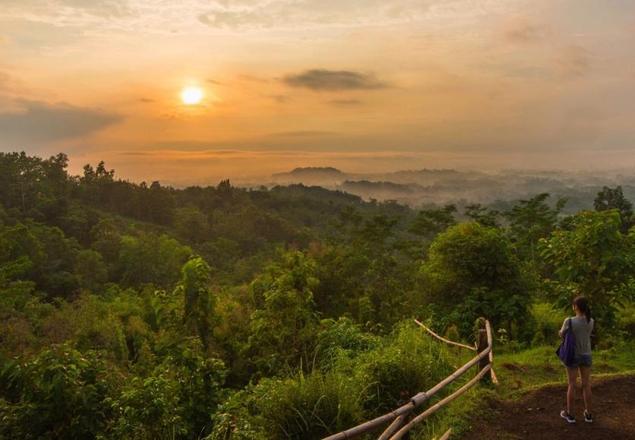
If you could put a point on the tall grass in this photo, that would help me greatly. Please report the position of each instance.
(358, 383)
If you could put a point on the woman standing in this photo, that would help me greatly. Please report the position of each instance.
(581, 325)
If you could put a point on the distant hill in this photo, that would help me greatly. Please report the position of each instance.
(440, 186)
(323, 176)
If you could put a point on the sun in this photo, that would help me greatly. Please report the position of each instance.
(192, 95)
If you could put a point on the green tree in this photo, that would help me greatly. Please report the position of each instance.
(470, 272)
(35, 187)
(61, 393)
(151, 258)
(482, 215)
(91, 270)
(592, 258)
(429, 222)
(175, 401)
(284, 324)
(530, 220)
(613, 198)
(191, 224)
(198, 300)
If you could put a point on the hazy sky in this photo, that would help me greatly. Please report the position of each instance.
(362, 85)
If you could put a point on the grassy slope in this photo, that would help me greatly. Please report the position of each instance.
(518, 373)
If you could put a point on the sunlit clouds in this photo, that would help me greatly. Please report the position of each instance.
(484, 83)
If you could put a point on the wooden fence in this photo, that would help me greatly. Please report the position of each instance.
(402, 419)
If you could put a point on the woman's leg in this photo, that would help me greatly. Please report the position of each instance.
(572, 375)
(585, 375)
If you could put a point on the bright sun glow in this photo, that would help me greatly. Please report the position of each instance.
(192, 95)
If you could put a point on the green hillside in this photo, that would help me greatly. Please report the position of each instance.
(140, 311)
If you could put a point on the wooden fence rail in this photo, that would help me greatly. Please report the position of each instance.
(401, 420)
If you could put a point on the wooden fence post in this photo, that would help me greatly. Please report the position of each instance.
(481, 345)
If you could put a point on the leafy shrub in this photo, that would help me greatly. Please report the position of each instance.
(407, 363)
(175, 401)
(149, 409)
(61, 393)
(472, 271)
(303, 407)
(626, 319)
(363, 376)
(548, 321)
(341, 339)
(592, 257)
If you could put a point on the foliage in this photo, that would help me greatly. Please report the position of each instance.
(356, 387)
(284, 323)
(429, 222)
(151, 258)
(592, 258)
(341, 339)
(405, 364)
(60, 393)
(302, 407)
(174, 402)
(143, 311)
(530, 220)
(483, 215)
(613, 198)
(470, 272)
(198, 300)
(548, 322)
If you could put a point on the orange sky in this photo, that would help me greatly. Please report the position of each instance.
(363, 85)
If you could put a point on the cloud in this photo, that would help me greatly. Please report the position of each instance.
(38, 122)
(185, 16)
(333, 80)
(97, 8)
(346, 102)
(4, 79)
(522, 31)
(280, 99)
(287, 14)
(303, 133)
(574, 62)
(198, 155)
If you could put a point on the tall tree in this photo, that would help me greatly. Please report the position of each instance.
(470, 272)
(592, 257)
(482, 214)
(429, 222)
(613, 198)
(198, 299)
(530, 220)
(284, 324)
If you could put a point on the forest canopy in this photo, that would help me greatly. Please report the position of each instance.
(142, 311)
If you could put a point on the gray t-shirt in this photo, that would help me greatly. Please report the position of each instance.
(582, 332)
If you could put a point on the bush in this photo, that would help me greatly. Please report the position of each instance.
(626, 319)
(407, 363)
(61, 393)
(472, 271)
(548, 322)
(174, 402)
(304, 407)
(341, 339)
(364, 378)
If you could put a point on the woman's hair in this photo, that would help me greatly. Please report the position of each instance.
(583, 305)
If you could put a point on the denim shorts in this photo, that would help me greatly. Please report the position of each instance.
(583, 360)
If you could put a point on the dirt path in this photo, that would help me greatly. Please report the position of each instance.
(536, 415)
